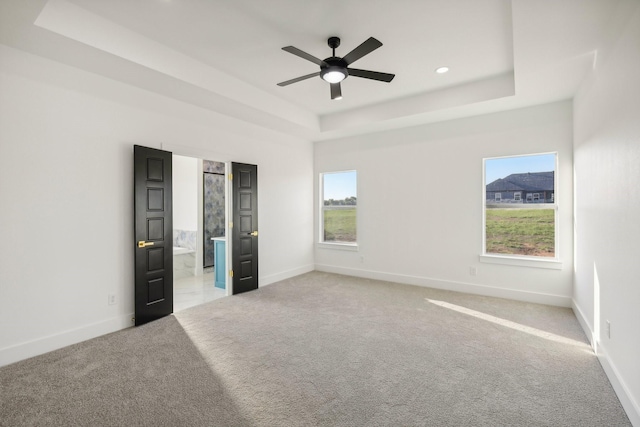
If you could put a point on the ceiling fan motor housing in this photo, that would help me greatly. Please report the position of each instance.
(334, 65)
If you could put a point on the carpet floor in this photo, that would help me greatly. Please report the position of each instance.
(325, 350)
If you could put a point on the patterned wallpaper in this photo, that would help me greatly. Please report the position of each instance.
(209, 166)
(213, 206)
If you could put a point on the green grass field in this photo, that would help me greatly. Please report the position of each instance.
(509, 231)
(340, 225)
(521, 232)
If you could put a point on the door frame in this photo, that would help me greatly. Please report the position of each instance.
(198, 153)
(228, 209)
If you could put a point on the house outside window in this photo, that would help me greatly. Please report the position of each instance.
(339, 203)
(522, 221)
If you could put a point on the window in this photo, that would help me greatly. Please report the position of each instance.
(339, 206)
(521, 227)
(498, 197)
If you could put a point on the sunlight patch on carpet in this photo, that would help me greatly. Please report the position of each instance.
(509, 324)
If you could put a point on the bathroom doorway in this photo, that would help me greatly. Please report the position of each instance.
(199, 241)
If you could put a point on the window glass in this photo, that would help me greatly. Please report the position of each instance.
(339, 207)
(520, 210)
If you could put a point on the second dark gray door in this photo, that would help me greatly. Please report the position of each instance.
(245, 227)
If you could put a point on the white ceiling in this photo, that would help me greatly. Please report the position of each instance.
(226, 55)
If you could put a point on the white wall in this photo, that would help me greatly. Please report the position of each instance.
(185, 193)
(66, 212)
(607, 170)
(420, 195)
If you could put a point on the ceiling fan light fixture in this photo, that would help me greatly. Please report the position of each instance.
(333, 74)
(335, 69)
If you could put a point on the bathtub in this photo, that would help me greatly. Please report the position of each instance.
(179, 251)
(184, 262)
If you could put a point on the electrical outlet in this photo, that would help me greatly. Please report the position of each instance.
(112, 299)
(608, 329)
(361, 258)
(473, 271)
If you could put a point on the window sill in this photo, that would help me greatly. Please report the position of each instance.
(353, 247)
(552, 264)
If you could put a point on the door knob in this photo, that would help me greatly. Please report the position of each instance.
(143, 244)
(254, 234)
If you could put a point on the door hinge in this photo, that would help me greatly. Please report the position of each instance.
(230, 224)
(230, 177)
(230, 273)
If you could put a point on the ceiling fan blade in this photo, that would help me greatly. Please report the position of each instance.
(365, 48)
(299, 79)
(373, 75)
(305, 55)
(336, 91)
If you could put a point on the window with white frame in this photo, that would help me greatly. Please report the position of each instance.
(524, 226)
(339, 203)
(498, 197)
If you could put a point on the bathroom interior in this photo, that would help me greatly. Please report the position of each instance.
(199, 241)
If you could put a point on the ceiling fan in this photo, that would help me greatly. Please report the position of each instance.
(335, 69)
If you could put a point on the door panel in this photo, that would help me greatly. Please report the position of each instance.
(153, 234)
(245, 229)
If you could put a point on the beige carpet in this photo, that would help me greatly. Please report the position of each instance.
(329, 350)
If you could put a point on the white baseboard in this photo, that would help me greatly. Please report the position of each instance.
(28, 349)
(630, 405)
(584, 323)
(471, 288)
(273, 278)
(627, 401)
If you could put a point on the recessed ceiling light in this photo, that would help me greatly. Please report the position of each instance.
(442, 70)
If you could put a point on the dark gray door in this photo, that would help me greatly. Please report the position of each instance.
(153, 234)
(245, 227)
